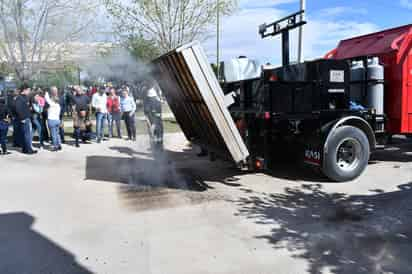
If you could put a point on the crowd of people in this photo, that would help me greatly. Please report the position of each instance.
(31, 112)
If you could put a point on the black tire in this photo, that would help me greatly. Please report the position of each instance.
(347, 156)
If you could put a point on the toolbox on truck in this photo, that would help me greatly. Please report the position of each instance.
(310, 86)
(198, 102)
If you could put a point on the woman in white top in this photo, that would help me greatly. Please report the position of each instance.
(53, 118)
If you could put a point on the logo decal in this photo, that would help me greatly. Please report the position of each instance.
(312, 157)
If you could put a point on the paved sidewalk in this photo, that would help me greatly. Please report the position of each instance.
(112, 208)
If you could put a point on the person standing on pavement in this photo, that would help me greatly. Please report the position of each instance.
(37, 110)
(23, 115)
(53, 117)
(99, 103)
(80, 102)
(4, 126)
(68, 102)
(113, 113)
(152, 104)
(17, 134)
(42, 103)
(128, 107)
(62, 103)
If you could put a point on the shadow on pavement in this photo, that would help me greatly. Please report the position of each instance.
(167, 180)
(173, 170)
(338, 233)
(200, 167)
(399, 151)
(24, 250)
(295, 171)
(140, 174)
(128, 151)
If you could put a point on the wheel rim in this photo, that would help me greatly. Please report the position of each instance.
(348, 154)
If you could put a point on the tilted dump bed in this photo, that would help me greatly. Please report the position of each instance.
(198, 102)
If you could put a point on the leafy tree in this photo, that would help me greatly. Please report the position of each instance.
(59, 78)
(142, 49)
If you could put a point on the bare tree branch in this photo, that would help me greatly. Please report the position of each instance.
(34, 31)
(169, 23)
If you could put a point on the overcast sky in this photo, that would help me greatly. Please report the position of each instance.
(328, 22)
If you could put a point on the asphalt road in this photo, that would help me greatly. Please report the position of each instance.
(112, 208)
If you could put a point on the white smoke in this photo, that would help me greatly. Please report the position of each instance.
(117, 64)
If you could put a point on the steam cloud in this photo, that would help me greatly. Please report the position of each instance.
(158, 170)
(117, 65)
(147, 170)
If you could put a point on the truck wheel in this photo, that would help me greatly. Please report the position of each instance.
(347, 154)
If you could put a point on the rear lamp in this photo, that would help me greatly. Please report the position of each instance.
(273, 78)
(259, 164)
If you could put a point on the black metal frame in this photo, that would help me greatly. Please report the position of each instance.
(265, 126)
(293, 21)
(310, 131)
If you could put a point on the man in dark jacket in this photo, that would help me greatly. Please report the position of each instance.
(23, 115)
(17, 135)
(79, 99)
(62, 103)
(81, 103)
(4, 126)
